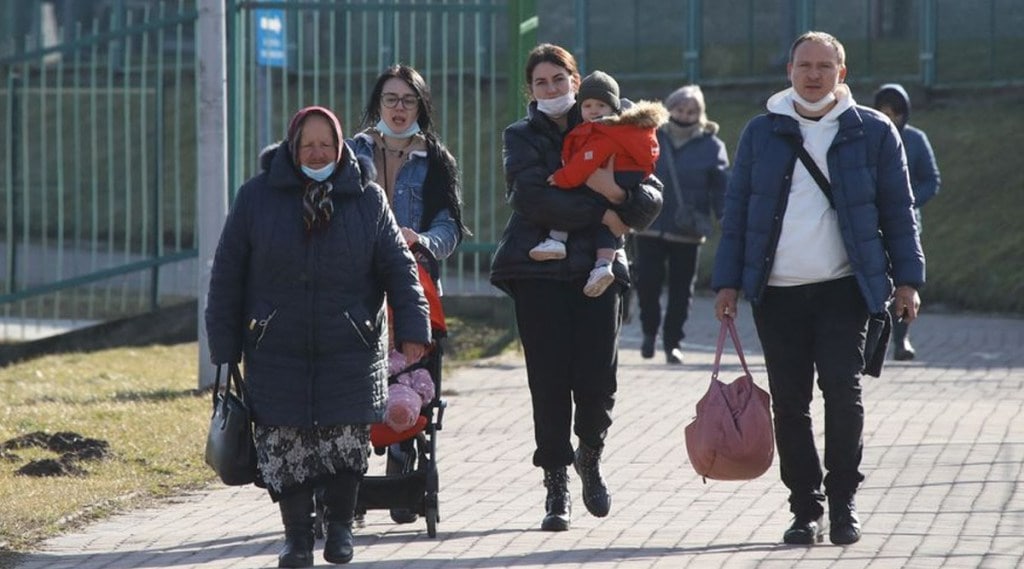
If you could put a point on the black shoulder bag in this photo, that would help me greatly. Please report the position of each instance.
(879, 325)
(230, 449)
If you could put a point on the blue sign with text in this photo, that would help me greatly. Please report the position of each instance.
(271, 50)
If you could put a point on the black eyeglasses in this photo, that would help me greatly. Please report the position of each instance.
(391, 100)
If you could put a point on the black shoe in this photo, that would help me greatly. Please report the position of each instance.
(557, 505)
(297, 517)
(647, 348)
(403, 516)
(587, 462)
(804, 531)
(673, 356)
(844, 525)
(338, 546)
(904, 352)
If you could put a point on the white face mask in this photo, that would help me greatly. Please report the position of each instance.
(558, 106)
(814, 107)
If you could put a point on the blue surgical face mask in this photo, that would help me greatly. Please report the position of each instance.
(386, 130)
(319, 174)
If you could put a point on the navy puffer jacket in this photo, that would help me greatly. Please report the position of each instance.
(532, 152)
(868, 172)
(306, 310)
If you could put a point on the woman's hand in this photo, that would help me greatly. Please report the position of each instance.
(413, 352)
(614, 223)
(410, 236)
(602, 181)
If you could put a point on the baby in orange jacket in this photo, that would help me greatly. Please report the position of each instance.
(610, 127)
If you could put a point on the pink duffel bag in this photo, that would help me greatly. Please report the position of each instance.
(732, 437)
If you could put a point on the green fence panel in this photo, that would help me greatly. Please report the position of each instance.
(97, 162)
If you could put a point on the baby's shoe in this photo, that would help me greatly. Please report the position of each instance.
(548, 250)
(601, 277)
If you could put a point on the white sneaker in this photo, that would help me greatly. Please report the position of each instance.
(601, 277)
(548, 250)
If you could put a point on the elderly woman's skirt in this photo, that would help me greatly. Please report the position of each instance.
(289, 457)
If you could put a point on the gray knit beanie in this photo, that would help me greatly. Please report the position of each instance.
(684, 93)
(601, 86)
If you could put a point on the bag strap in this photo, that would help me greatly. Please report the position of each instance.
(672, 171)
(234, 376)
(728, 324)
(813, 169)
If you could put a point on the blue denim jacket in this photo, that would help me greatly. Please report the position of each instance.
(442, 235)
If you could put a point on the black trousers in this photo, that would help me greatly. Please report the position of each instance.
(655, 257)
(571, 347)
(820, 327)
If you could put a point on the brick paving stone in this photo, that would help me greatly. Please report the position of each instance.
(943, 455)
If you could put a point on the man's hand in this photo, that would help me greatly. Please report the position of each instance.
(602, 181)
(725, 303)
(906, 303)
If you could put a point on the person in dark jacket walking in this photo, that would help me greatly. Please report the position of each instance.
(815, 264)
(307, 253)
(570, 340)
(692, 165)
(421, 180)
(892, 99)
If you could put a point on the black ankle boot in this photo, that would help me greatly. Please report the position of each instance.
(595, 493)
(647, 347)
(297, 515)
(557, 505)
(340, 496)
(338, 547)
(805, 530)
(844, 525)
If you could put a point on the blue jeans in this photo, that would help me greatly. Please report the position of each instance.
(821, 327)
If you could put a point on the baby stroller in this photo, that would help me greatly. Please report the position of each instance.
(410, 484)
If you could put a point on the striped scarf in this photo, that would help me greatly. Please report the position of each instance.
(317, 206)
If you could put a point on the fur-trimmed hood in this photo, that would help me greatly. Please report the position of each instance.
(641, 114)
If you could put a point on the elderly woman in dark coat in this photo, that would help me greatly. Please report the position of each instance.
(306, 256)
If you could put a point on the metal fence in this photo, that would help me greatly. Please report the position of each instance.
(99, 100)
(97, 167)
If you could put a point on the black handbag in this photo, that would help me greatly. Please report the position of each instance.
(230, 449)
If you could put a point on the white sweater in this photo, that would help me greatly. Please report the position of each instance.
(810, 248)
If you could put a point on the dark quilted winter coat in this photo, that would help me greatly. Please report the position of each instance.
(306, 310)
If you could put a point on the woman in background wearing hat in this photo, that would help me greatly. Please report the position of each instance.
(570, 340)
(692, 165)
(307, 253)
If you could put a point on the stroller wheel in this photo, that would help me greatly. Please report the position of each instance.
(402, 460)
(431, 515)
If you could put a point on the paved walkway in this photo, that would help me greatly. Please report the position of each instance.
(944, 454)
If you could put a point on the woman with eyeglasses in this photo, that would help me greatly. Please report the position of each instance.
(418, 174)
(421, 181)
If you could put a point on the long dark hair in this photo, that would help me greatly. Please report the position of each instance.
(443, 172)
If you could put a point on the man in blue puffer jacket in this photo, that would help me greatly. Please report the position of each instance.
(815, 268)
